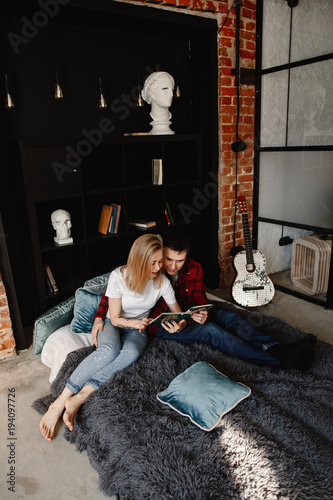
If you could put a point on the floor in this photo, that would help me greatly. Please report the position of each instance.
(39, 470)
(306, 316)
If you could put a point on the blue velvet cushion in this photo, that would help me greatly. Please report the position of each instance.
(203, 394)
(87, 300)
(86, 305)
(49, 322)
(98, 284)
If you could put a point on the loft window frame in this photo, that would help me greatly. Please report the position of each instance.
(258, 149)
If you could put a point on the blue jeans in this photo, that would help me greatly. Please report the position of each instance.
(117, 349)
(230, 333)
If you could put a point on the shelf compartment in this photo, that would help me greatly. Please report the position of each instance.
(69, 271)
(180, 161)
(103, 168)
(105, 254)
(53, 247)
(138, 160)
(54, 173)
(148, 206)
(183, 202)
(93, 208)
(44, 209)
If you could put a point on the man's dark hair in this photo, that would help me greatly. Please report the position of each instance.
(177, 240)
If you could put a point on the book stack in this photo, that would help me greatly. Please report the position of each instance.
(109, 219)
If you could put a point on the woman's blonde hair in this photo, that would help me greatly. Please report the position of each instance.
(139, 262)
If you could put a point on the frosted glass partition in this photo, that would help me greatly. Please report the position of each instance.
(312, 33)
(278, 258)
(297, 187)
(310, 120)
(274, 100)
(275, 35)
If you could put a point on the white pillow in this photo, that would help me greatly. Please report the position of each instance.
(59, 344)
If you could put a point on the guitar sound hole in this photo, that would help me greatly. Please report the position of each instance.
(250, 268)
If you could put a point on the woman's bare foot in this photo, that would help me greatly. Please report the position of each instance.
(49, 421)
(73, 404)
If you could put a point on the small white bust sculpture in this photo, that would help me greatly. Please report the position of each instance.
(61, 222)
(158, 91)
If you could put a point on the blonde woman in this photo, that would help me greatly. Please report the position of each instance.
(120, 339)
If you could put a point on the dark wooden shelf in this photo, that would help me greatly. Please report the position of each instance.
(53, 247)
(84, 194)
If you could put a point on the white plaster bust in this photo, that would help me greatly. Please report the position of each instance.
(158, 91)
(61, 222)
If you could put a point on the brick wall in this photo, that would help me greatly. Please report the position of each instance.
(227, 125)
(7, 342)
(228, 113)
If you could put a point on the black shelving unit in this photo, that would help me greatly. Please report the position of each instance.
(118, 171)
(121, 43)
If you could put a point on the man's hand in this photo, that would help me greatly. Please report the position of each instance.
(200, 316)
(97, 327)
(173, 327)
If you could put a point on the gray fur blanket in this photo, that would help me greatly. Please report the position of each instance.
(275, 445)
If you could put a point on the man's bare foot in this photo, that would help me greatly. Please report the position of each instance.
(71, 408)
(49, 421)
(73, 404)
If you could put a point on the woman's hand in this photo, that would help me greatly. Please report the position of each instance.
(97, 327)
(173, 327)
(143, 324)
(200, 316)
(135, 324)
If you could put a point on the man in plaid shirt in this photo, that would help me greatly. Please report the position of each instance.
(222, 329)
(189, 288)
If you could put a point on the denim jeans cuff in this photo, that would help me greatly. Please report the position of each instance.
(94, 384)
(72, 387)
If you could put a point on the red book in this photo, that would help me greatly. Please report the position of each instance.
(167, 216)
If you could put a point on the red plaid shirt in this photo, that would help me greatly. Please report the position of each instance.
(102, 308)
(189, 289)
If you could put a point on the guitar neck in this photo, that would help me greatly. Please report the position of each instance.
(247, 240)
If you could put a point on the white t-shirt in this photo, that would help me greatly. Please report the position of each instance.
(135, 305)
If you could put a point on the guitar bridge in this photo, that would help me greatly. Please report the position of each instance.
(252, 288)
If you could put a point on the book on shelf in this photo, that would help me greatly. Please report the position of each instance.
(53, 287)
(114, 222)
(168, 213)
(111, 223)
(157, 171)
(48, 282)
(167, 216)
(104, 220)
(142, 223)
(170, 316)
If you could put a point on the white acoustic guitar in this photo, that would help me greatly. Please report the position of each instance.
(252, 287)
